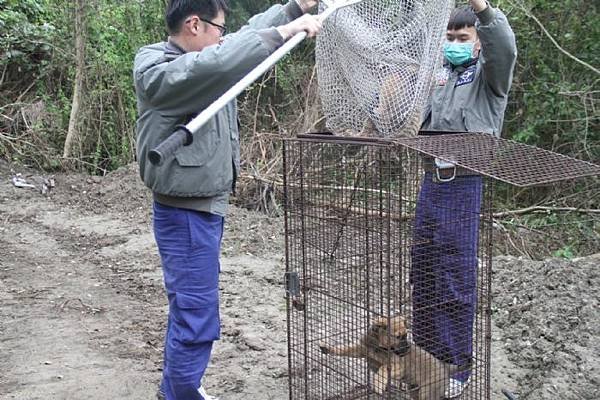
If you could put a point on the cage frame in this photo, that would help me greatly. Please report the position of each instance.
(431, 144)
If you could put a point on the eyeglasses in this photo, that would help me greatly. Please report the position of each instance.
(222, 28)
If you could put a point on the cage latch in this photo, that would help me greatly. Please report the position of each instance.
(292, 288)
(445, 171)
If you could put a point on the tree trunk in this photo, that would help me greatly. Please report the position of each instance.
(80, 36)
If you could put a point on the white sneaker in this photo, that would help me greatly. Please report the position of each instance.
(455, 388)
(204, 395)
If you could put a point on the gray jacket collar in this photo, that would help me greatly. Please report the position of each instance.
(173, 50)
(462, 68)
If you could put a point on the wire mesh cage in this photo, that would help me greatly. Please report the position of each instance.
(388, 273)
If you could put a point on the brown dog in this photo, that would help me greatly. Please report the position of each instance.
(391, 356)
(384, 346)
(426, 374)
(396, 111)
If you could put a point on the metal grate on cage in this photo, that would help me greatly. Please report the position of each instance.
(387, 274)
(515, 163)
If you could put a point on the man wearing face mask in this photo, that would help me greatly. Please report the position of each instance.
(470, 95)
(174, 80)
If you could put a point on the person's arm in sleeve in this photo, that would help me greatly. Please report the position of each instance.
(280, 14)
(194, 80)
(498, 49)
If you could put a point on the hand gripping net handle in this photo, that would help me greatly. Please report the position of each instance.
(183, 135)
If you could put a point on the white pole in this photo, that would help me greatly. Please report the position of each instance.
(210, 111)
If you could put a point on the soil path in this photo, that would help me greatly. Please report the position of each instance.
(83, 311)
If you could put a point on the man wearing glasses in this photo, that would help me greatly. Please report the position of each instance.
(175, 80)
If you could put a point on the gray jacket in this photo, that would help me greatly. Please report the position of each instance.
(173, 86)
(473, 98)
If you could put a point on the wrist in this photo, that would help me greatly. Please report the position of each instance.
(302, 4)
(284, 32)
(479, 5)
(486, 16)
(293, 10)
(305, 5)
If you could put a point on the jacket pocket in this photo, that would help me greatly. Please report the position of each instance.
(202, 149)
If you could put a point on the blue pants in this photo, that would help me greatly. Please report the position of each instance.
(189, 243)
(444, 267)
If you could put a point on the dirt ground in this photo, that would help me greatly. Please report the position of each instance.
(82, 309)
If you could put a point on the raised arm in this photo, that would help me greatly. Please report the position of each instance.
(498, 47)
(188, 83)
(193, 80)
(280, 14)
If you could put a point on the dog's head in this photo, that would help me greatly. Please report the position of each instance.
(389, 333)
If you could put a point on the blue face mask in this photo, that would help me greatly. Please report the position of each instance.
(458, 53)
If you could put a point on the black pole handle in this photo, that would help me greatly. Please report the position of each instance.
(164, 151)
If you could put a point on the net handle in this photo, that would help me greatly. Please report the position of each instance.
(169, 146)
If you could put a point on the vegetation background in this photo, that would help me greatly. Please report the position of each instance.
(65, 71)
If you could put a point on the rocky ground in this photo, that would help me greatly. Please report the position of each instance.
(82, 310)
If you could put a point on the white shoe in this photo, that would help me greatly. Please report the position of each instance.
(455, 388)
(204, 395)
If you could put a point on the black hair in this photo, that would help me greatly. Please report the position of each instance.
(178, 10)
(462, 17)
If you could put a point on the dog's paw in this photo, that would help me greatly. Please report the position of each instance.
(325, 349)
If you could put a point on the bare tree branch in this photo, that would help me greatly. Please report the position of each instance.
(534, 209)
